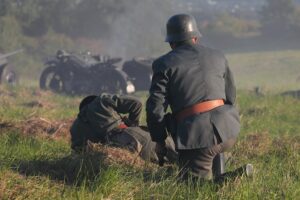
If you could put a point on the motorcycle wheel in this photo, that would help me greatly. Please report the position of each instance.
(113, 83)
(51, 80)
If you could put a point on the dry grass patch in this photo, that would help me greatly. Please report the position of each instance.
(45, 128)
(254, 145)
(16, 186)
(75, 168)
(119, 156)
(5, 125)
(38, 104)
(260, 145)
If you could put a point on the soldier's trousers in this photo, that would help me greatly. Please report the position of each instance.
(139, 140)
(198, 162)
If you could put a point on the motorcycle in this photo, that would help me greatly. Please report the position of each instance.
(8, 75)
(79, 74)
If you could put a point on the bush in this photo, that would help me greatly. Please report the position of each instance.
(10, 34)
(29, 63)
(277, 17)
(226, 24)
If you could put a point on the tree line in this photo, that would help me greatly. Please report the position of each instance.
(92, 18)
(275, 18)
(73, 18)
(43, 26)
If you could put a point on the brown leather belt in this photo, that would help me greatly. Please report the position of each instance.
(199, 108)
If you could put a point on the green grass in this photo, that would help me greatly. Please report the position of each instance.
(17, 103)
(273, 70)
(35, 169)
(272, 113)
(39, 168)
(42, 167)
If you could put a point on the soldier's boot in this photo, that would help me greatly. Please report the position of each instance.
(246, 170)
(218, 167)
(249, 170)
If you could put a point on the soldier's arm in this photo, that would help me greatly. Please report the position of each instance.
(230, 89)
(157, 104)
(78, 138)
(129, 105)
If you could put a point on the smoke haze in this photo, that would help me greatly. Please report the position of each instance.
(141, 30)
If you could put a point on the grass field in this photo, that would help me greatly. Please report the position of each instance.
(272, 70)
(36, 161)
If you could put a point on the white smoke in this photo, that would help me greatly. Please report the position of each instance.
(141, 30)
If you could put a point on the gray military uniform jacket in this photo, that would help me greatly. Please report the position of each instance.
(188, 75)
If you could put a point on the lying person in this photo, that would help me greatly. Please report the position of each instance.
(100, 120)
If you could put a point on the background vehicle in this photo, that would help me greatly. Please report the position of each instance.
(8, 76)
(84, 74)
(140, 72)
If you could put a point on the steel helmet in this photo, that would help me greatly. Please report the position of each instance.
(87, 100)
(182, 27)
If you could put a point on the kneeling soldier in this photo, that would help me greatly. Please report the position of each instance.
(197, 84)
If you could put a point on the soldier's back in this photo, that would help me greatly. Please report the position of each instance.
(195, 73)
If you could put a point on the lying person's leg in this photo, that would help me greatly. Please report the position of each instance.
(139, 140)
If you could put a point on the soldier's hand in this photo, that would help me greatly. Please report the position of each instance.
(129, 122)
(161, 152)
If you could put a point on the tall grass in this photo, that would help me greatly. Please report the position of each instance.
(30, 170)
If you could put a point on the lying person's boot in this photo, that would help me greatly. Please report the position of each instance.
(127, 141)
